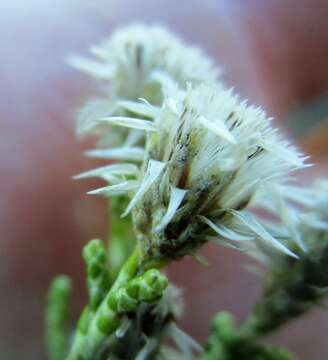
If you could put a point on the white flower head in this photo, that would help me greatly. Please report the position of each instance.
(135, 62)
(205, 159)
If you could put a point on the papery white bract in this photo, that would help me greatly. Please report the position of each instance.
(304, 212)
(208, 156)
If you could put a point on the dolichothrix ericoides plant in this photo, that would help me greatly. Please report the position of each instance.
(188, 161)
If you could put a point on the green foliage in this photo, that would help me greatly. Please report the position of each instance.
(57, 317)
(293, 288)
(228, 343)
(108, 303)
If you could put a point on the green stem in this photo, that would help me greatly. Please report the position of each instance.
(120, 244)
(128, 270)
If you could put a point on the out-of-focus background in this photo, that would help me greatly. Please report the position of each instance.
(274, 52)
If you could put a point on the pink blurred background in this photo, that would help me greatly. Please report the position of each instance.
(274, 53)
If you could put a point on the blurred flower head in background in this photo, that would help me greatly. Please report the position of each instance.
(134, 63)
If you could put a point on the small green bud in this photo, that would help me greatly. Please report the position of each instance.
(94, 269)
(151, 276)
(112, 301)
(91, 249)
(107, 325)
(125, 302)
(132, 288)
(224, 326)
(152, 284)
(101, 256)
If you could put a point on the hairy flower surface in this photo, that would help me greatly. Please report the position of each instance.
(206, 156)
(134, 63)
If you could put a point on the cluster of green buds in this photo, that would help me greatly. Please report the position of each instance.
(110, 303)
(98, 280)
(189, 161)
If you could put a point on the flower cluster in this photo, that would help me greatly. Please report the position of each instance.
(207, 154)
(190, 161)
